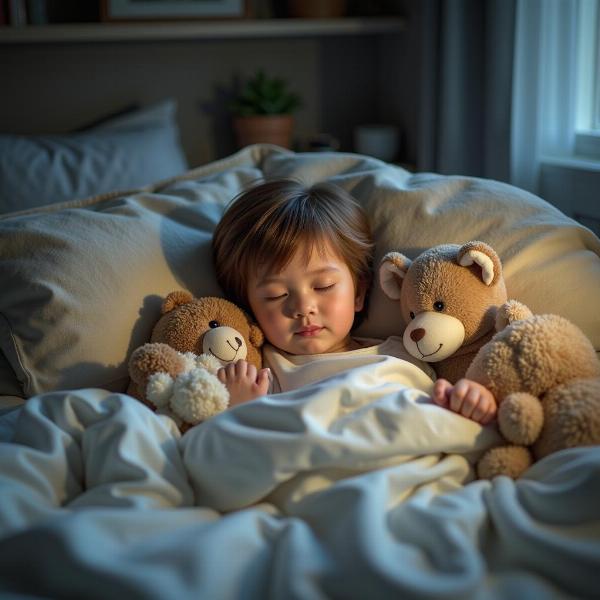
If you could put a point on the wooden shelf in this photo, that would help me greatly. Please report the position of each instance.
(199, 30)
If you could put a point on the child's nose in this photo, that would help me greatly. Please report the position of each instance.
(303, 306)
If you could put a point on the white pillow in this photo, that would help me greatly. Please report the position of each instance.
(122, 153)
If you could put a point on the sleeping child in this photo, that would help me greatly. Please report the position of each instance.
(300, 260)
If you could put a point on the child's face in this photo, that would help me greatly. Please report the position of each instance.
(307, 308)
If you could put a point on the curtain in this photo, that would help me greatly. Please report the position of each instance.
(498, 87)
(544, 87)
(467, 49)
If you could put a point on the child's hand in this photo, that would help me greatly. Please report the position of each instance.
(467, 398)
(244, 381)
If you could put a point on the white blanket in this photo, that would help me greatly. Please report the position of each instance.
(353, 487)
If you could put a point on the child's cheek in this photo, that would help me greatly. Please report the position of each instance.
(343, 301)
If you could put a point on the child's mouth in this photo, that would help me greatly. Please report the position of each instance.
(309, 331)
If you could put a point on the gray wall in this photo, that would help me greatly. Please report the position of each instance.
(344, 81)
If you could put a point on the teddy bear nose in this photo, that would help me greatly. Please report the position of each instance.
(239, 342)
(417, 334)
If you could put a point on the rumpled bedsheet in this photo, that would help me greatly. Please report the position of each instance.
(352, 487)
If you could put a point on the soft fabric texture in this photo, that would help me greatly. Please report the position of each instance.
(194, 337)
(355, 486)
(291, 372)
(545, 376)
(327, 493)
(465, 283)
(83, 281)
(121, 153)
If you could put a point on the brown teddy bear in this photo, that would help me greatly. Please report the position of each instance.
(176, 372)
(545, 375)
(542, 369)
(449, 296)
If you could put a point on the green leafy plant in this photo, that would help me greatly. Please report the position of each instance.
(263, 95)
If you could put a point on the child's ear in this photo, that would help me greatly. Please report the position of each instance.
(361, 292)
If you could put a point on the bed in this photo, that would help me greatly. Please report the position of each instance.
(353, 487)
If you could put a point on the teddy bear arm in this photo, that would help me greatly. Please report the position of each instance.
(152, 358)
(572, 417)
(511, 311)
(521, 418)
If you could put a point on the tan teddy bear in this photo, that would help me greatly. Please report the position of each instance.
(176, 372)
(449, 296)
(545, 375)
(542, 370)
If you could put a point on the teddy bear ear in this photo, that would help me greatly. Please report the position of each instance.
(479, 253)
(175, 299)
(392, 270)
(257, 339)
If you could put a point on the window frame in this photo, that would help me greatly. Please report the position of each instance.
(587, 126)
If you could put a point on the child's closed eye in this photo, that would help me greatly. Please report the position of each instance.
(324, 288)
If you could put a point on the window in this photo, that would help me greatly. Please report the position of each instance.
(555, 129)
(587, 125)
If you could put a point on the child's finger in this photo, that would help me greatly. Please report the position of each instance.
(486, 419)
(480, 412)
(229, 371)
(263, 380)
(264, 373)
(441, 389)
(222, 375)
(470, 403)
(490, 414)
(459, 391)
(251, 372)
(240, 367)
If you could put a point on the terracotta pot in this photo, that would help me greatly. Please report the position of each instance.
(316, 9)
(270, 129)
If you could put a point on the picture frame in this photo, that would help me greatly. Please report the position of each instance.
(142, 10)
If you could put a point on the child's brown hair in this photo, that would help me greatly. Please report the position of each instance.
(264, 226)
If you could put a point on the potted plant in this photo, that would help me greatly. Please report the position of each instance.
(263, 111)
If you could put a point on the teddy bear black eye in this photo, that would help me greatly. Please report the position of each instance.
(412, 314)
(439, 306)
(213, 324)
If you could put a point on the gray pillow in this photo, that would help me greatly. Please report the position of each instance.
(125, 152)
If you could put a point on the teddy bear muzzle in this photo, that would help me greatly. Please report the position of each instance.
(225, 343)
(433, 336)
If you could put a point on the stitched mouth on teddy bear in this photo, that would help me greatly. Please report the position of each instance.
(431, 353)
(221, 358)
(235, 351)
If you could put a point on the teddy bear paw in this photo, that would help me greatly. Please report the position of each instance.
(209, 362)
(520, 418)
(159, 389)
(511, 461)
(189, 359)
(572, 417)
(198, 395)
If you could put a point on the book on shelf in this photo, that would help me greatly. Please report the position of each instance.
(17, 13)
